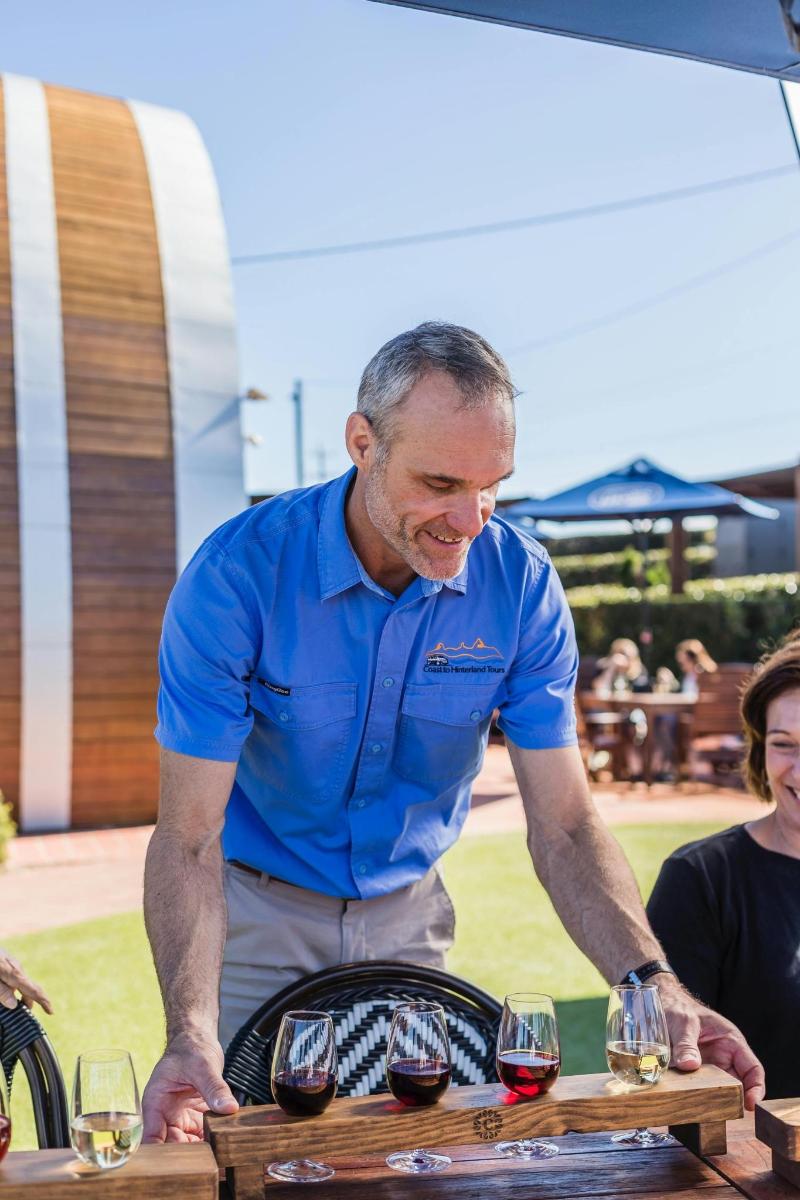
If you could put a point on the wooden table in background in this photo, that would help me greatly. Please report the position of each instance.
(651, 704)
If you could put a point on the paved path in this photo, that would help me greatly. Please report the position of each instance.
(61, 878)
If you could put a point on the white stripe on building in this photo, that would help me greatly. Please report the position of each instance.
(200, 325)
(42, 461)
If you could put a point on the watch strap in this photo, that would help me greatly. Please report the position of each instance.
(640, 975)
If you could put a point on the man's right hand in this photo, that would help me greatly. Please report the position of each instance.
(186, 1083)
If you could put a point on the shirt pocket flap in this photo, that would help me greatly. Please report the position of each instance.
(449, 705)
(305, 707)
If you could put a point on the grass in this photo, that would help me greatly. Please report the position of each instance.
(100, 976)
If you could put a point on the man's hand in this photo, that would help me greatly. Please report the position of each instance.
(13, 979)
(698, 1034)
(186, 1082)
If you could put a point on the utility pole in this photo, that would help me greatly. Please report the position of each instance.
(297, 401)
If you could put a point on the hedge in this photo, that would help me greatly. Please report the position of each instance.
(624, 566)
(736, 619)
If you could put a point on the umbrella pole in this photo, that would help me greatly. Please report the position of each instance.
(641, 530)
(677, 565)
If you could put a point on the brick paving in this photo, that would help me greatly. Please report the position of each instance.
(60, 878)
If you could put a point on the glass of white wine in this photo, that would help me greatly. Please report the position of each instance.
(106, 1117)
(637, 1047)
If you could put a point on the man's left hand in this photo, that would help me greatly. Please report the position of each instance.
(698, 1034)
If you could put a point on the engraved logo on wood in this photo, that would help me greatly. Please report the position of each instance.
(487, 1124)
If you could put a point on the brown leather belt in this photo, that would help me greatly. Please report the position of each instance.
(235, 862)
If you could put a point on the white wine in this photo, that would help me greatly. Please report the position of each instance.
(106, 1139)
(637, 1063)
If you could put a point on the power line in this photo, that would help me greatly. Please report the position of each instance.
(550, 218)
(670, 293)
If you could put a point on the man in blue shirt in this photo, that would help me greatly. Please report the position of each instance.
(330, 663)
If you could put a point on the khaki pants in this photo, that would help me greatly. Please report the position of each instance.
(278, 933)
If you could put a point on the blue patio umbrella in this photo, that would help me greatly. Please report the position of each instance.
(639, 493)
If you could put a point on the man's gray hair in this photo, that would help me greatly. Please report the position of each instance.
(477, 370)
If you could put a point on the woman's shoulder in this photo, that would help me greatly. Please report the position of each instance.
(716, 851)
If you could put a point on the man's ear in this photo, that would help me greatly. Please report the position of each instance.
(359, 438)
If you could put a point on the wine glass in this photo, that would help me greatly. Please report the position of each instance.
(528, 1060)
(304, 1070)
(5, 1117)
(106, 1124)
(418, 1073)
(637, 1048)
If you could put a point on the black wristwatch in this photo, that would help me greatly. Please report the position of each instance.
(646, 971)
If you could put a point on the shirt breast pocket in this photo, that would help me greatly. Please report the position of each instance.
(443, 731)
(301, 738)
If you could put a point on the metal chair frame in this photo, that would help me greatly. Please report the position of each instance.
(359, 997)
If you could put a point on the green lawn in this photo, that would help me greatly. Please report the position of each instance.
(100, 977)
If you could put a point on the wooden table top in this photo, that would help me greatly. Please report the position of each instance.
(617, 700)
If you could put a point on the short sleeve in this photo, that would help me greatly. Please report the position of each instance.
(208, 647)
(538, 712)
(683, 915)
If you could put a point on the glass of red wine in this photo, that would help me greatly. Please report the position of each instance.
(304, 1076)
(418, 1073)
(5, 1118)
(528, 1060)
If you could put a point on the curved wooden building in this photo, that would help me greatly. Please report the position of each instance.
(119, 434)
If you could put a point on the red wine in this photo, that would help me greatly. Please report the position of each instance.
(5, 1135)
(416, 1084)
(528, 1072)
(303, 1093)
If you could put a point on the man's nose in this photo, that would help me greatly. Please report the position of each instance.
(470, 515)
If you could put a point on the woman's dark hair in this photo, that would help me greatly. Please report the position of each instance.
(774, 674)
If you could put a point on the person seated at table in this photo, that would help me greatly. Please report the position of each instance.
(621, 670)
(726, 908)
(14, 982)
(694, 661)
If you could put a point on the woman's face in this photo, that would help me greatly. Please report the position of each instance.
(783, 754)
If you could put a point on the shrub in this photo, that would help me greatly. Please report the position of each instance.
(8, 828)
(737, 619)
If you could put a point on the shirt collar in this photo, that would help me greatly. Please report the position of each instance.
(339, 567)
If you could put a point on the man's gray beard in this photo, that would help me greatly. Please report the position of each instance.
(394, 533)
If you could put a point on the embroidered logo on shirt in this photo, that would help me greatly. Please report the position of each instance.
(276, 688)
(441, 657)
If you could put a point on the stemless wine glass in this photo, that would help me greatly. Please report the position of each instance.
(637, 1047)
(418, 1072)
(5, 1117)
(106, 1124)
(528, 1060)
(304, 1070)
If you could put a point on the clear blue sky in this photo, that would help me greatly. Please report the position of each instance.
(332, 121)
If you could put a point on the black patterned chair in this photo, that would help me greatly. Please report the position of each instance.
(361, 998)
(23, 1040)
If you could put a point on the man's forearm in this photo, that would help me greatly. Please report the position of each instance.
(595, 894)
(184, 910)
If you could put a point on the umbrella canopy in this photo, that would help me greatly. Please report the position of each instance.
(753, 35)
(640, 490)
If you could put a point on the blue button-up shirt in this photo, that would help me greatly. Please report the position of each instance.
(358, 718)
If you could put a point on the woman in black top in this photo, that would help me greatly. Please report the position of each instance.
(727, 908)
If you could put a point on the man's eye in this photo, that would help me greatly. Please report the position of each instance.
(439, 487)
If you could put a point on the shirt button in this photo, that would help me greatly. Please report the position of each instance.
(388, 681)
(361, 803)
(475, 715)
(284, 716)
(376, 747)
(362, 870)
